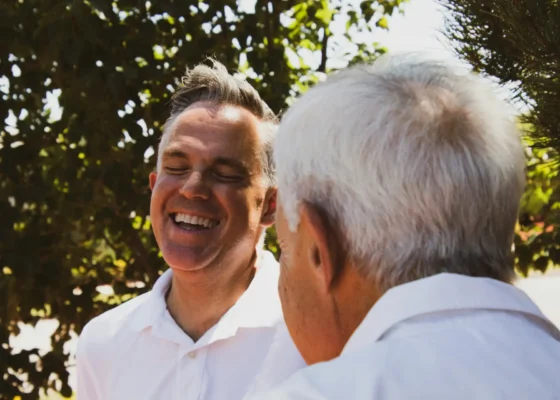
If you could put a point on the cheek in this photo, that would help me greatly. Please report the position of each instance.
(289, 307)
(230, 196)
(285, 289)
(164, 185)
(303, 309)
(160, 192)
(155, 202)
(283, 283)
(292, 296)
(243, 205)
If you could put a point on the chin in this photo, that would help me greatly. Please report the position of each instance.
(187, 259)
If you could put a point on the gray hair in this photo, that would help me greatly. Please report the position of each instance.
(215, 84)
(422, 169)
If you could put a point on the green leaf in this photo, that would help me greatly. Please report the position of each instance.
(325, 15)
(382, 23)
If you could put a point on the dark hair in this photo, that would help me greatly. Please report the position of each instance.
(214, 83)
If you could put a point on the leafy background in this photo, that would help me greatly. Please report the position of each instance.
(517, 42)
(75, 236)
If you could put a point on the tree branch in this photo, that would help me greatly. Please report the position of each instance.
(324, 46)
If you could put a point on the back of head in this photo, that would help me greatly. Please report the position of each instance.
(421, 167)
(213, 83)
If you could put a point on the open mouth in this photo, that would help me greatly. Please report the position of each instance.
(192, 223)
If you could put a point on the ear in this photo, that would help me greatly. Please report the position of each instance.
(269, 208)
(153, 179)
(323, 252)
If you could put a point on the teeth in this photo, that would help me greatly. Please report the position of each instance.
(193, 220)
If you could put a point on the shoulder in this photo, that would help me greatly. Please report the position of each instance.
(99, 346)
(282, 361)
(434, 366)
(336, 379)
(102, 330)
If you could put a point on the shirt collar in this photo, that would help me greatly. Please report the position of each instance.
(442, 292)
(149, 312)
(258, 307)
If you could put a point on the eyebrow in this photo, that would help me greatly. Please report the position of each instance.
(174, 154)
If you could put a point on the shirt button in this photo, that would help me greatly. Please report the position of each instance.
(192, 355)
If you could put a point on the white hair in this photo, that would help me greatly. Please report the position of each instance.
(421, 167)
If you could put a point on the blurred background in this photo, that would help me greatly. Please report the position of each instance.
(85, 87)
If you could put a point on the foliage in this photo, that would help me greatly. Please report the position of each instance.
(518, 42)
(75, 235)
(537, 243)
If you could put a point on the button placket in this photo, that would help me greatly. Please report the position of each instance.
(191, 373)
(201, 356)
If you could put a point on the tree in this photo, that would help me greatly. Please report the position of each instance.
(518, 42)
(537, 243)
(73, 180)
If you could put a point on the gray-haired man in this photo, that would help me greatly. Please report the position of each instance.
(212, 326)
(399, 185)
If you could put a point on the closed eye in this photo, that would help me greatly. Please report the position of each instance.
(227, 177)
(175, 170)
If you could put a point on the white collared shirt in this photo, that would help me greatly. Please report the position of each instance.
(137, 351)
(444, 337)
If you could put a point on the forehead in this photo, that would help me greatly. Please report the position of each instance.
(207, 129)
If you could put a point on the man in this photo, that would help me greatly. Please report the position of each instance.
(212, 326)
(399, 186)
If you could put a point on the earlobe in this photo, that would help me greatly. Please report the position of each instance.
(153, 179)
(269, 209)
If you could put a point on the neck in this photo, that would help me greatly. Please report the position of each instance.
(198, 299)
(354, 297)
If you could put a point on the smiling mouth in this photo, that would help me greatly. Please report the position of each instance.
(193, 223)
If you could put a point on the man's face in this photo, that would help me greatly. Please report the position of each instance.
(307, 304)
(209, 199)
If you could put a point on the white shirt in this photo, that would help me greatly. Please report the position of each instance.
(444, 337)
(137, 351)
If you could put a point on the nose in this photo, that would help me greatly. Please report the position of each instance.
(195, 187)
